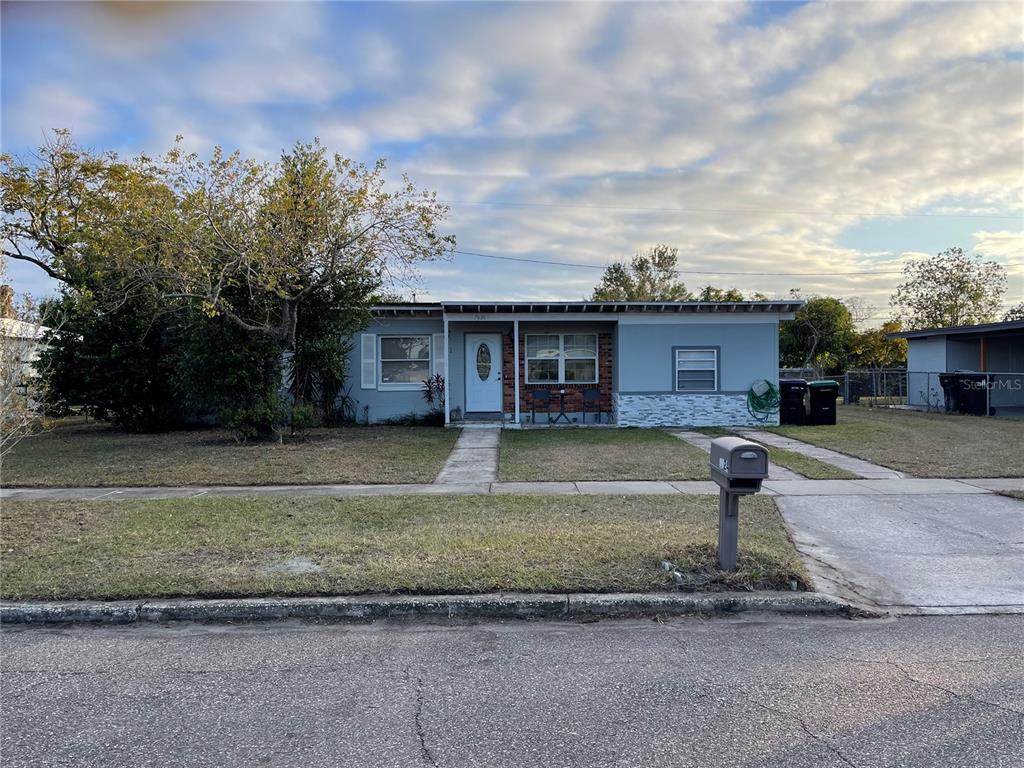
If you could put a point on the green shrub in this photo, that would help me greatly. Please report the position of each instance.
(257, 420)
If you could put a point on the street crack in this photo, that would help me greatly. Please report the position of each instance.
(421, 734)
(817, 738)
(958, 695)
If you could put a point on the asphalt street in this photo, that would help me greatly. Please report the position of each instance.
(761, 691)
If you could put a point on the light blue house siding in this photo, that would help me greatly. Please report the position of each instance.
(657, 363)
(924, 358)
(374, 401)
(747, 350)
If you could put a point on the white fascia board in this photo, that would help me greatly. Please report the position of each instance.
(540, 317)
(623, 318)
(711, 318)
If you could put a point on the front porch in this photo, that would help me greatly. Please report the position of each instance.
(529, 373)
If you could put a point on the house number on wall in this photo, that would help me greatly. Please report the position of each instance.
(479, 317)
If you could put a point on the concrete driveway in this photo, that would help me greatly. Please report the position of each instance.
(922, 553)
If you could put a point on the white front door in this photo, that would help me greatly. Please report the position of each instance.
(483, 372)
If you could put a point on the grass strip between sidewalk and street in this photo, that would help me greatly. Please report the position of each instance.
(100, 455)
(232, 547)
(598, 454)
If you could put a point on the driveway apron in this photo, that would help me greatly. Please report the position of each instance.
(913, 552)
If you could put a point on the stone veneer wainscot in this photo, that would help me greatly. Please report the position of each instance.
(692, 410)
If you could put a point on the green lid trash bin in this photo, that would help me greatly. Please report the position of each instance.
(822, 396)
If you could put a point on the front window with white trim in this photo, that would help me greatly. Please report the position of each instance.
(696, 370)
(404, 361)
(566, 358)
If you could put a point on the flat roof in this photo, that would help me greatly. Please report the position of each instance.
(961, 330)
(433, 309)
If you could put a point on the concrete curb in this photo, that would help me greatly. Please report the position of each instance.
(370, 608)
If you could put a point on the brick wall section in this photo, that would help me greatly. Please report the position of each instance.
(573, 392)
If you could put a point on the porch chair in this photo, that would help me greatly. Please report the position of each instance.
(592, 397)
(540, 398)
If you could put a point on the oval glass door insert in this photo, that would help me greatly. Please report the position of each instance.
(483, 362)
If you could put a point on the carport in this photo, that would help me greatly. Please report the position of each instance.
(993, 350)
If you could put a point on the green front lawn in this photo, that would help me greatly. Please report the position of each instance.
(99, 455)
(598, 454)
(923, 444)
(398, 544)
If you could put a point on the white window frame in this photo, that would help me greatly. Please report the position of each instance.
(714, 368)
(403, 386)
(561, 358)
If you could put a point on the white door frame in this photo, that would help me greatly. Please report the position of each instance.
(489, 401)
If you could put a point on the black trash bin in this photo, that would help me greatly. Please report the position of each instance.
(972, 393)
(792, 409)
(822, 396)
(950, 391)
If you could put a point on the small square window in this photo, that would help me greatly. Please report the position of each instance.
(696, 370)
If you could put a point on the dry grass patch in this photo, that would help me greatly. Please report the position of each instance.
(598, 454)
(923, 444)
(405, 544)
(99, 455)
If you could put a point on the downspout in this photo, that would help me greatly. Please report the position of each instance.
(984, 356)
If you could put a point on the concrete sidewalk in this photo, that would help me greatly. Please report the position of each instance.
(902, 487)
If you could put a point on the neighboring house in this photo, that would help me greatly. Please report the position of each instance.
(639, 364)
(19, 349)
(21, 340)
(996, 349)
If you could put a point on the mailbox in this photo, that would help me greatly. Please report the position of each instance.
(737, 465)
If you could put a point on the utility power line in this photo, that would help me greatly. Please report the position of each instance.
(695, 271)
(732, 211)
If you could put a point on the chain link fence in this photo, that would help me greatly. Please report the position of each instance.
(882, 386)
(996, 393)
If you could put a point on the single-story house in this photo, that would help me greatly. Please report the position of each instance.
(993, 349)
(21, 341)
(633, 364)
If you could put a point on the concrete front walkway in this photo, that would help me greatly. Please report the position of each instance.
(698, 440)
(474, 459)
(836, 459)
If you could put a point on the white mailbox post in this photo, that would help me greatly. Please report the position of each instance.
(739, 467)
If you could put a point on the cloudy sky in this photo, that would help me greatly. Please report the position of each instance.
(829, 142)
